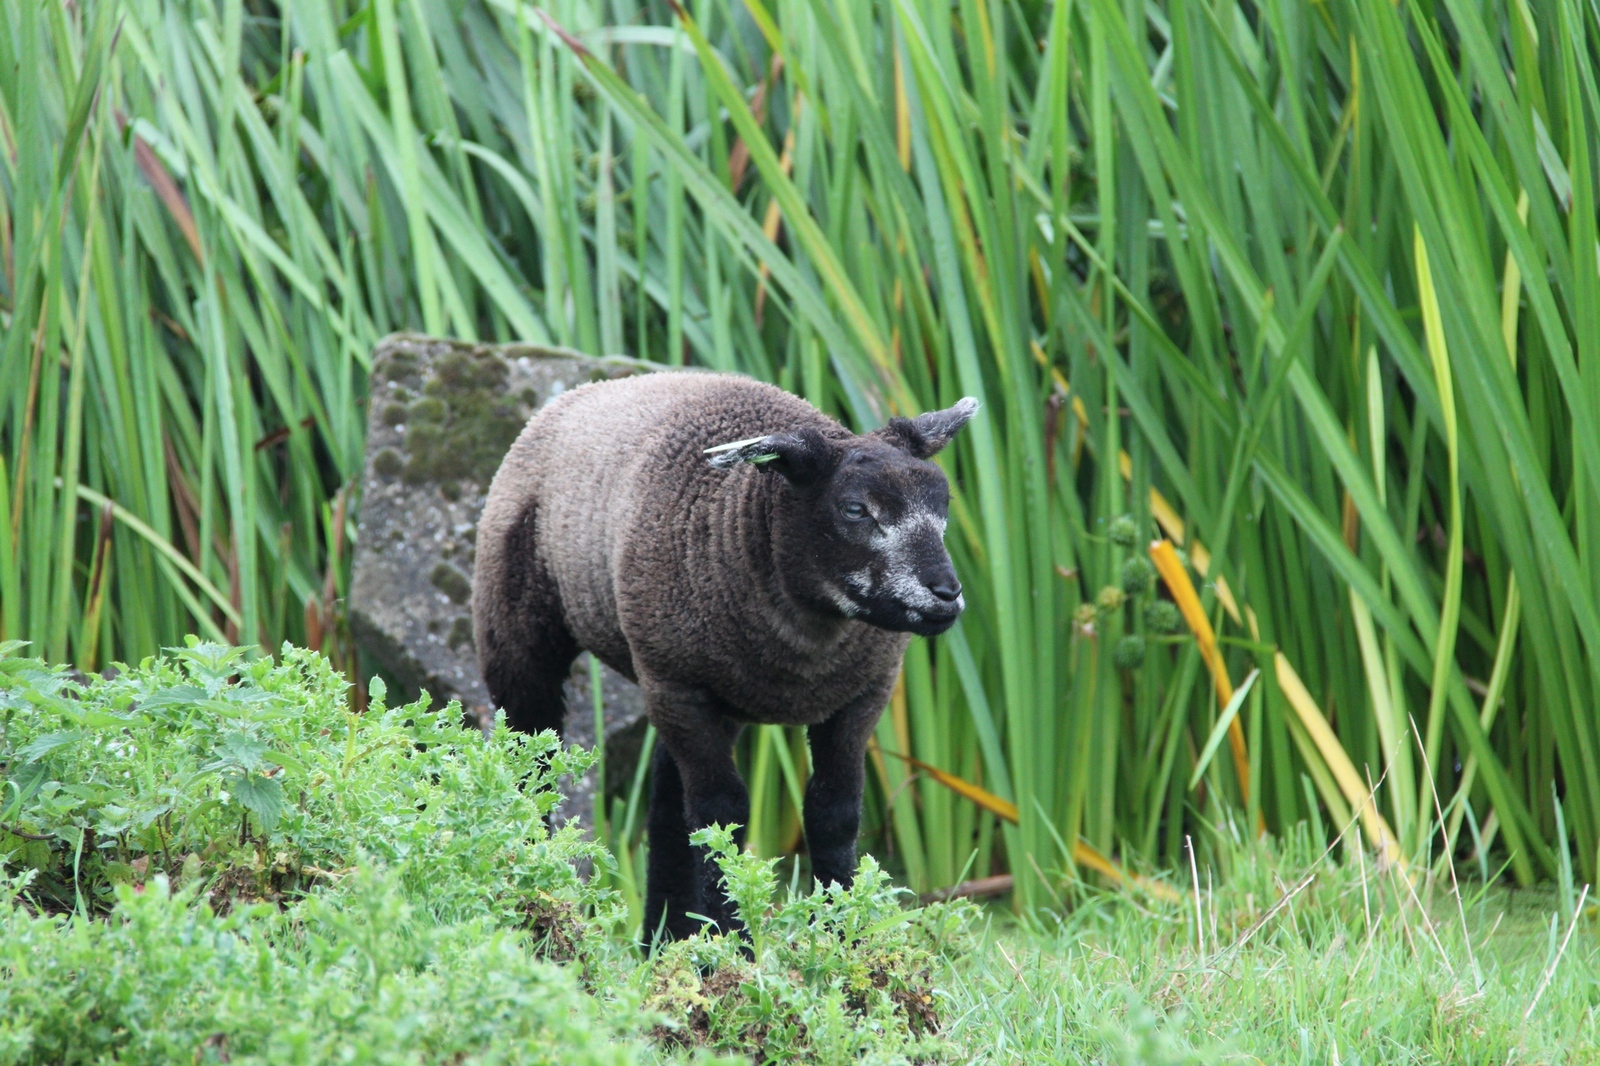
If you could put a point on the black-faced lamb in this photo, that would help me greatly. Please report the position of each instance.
(773, 582)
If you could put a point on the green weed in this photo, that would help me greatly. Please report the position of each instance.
(213, 855)
(212, 858)
(255, 779)
(355, 974)
(836, 975)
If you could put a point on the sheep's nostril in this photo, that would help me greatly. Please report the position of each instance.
(947, 589)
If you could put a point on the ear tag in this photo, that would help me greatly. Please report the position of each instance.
(755, 450)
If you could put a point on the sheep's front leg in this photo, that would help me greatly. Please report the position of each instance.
(699, 744)
(673, 887)
(833, 796)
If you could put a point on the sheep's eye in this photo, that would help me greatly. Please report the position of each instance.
(853, 510)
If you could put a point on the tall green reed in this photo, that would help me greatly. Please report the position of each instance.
(1186, 253)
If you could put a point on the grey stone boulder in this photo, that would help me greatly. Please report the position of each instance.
(440, 417)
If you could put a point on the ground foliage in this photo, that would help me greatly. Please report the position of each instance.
(213, 856)
(255, 778)
(353, 974)
(210, 857)
(839, 974)
(1302, 957)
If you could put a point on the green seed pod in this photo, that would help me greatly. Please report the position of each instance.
(1129, 653)
(1162, 616)
(1110, 598)
(1124, 530)
(1137, 573)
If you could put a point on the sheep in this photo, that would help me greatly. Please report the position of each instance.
(777, 581)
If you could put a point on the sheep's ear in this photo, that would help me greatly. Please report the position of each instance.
(802, 457)
(925, 435)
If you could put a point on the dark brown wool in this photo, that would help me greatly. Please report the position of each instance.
(778, 586)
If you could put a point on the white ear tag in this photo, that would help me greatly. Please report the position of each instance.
(754, 450)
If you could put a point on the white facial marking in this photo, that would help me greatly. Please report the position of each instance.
(900, 578)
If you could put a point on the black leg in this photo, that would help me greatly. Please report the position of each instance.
(833, 795)
(531, 692)
(674, 871)
(699, 740)
(524, 648)
(721, 800)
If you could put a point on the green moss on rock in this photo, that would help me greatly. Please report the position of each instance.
(401, 366)
(452, 582)
(428, 409)
(464, 423)
(388, 463)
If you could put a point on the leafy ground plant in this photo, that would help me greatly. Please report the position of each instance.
(835, 975)
(255, 779)
(212, 858)
(355, 974)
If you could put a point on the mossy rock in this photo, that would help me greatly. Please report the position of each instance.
(441, 416)
(465, 421)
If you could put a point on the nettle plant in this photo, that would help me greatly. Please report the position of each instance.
(254, 778)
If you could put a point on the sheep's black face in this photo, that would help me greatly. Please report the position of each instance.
(865, 533)
(882, 556)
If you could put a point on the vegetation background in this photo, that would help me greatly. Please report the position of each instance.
(213, 857)
(1309, 290)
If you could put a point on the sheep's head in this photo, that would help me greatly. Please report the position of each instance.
(860, 531)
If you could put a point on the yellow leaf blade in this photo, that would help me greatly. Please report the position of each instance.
(1337, 761)
(1165, 556)
(995, 805)
(1172, 525)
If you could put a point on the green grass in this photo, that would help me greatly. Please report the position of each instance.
(211, 860)
(1349, 971)
(1315, 281)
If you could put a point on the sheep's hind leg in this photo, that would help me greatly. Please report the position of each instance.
(527, 683)
(524, 648)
